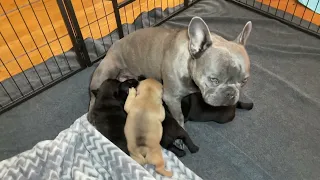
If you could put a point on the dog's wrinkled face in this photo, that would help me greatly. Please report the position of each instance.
(220, 68)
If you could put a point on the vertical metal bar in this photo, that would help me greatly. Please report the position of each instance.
(148, 13)
(304, 11)
(5, 90)
(186, 3)
(141, 14)
(85, 15)
(24, 74)
(95, 12)
(34, 42)
(295, 8)
(74, 32)
(105, 12)
(23, 47)
(118, 19)
(285, 11)
(313, 15)
(46, 9)
(155, 11)
(14, 81)
(168, 7)
(162, 10)
(33, 39)
(134, 18)
(125, 13)
(277, 7)
(269, 5)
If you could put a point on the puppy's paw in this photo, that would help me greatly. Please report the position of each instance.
(179, 144)
(180, 153)
(194, 149)
(244, 105)
(132, 92)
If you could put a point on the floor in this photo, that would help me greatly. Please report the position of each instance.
(278, 139)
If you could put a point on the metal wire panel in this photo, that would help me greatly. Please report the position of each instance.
(31, 33)
(103, 22)
(290, 12)
(43, 42)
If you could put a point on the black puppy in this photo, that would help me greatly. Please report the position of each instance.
(108, 115)
(171, 129)
(195, 109)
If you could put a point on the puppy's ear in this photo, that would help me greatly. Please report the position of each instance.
(95, 92)
(141, 78)
(199, 36)
(244, 35)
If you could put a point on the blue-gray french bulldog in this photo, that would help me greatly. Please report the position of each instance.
(186, 60)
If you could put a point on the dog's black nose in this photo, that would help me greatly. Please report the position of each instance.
(230, 94)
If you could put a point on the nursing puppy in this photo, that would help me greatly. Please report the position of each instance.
(108, 115)
(143, 128)
(171, 128)
(195, 109)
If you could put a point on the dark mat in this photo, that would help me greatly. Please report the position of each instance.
(277, 139)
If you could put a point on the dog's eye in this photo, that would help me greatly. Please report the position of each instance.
(244, 81)
(214, 80)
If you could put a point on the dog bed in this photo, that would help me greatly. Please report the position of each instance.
(81, 152)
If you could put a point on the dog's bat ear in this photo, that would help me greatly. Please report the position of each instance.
(244, 35)
(95, 92)
(199, 37)
(141, 78)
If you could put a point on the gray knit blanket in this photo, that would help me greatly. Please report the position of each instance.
(81, 152)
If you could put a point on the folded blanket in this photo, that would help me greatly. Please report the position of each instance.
(81, 152)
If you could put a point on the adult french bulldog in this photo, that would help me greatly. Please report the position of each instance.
(187, 61)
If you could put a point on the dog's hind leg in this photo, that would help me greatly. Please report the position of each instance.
(138, 158)
(155, 157)
(188, 142)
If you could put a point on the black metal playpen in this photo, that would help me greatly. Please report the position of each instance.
(41, 57)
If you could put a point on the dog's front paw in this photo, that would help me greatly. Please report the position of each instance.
(132, 92)
(194, 149)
